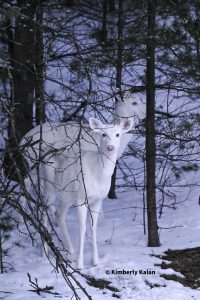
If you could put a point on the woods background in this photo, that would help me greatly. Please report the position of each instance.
(67, 60)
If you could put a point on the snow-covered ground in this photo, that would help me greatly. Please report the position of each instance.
(122, 246)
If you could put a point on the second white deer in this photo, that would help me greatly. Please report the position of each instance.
(40, 137)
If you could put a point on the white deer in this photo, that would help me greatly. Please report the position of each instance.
(82, 179)
(41, 136)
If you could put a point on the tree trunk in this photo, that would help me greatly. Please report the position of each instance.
(112, 192)
(1, 253)
(39, 71)
(23, 69)
(22, 87)
(153, 238)
(111, 6)
(104, 24)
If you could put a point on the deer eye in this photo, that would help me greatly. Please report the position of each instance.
(104, 135)
(117, 135)
(134, 103)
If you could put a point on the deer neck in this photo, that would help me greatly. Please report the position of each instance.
(107, 162)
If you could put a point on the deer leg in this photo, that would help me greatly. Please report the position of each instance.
(95, 211)
(82, 215)
(60, 214)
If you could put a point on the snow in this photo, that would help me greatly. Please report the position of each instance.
(122, 246)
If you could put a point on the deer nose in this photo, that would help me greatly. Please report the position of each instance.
(110, 147)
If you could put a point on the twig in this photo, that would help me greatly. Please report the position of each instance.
(6, 292)
(38, 289)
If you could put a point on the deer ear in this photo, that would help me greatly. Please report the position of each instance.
(126, 125)
(95, 124)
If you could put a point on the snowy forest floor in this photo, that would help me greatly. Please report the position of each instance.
(122, 247)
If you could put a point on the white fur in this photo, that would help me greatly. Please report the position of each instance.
(73, 136)
(131, 107)
(82, 179)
